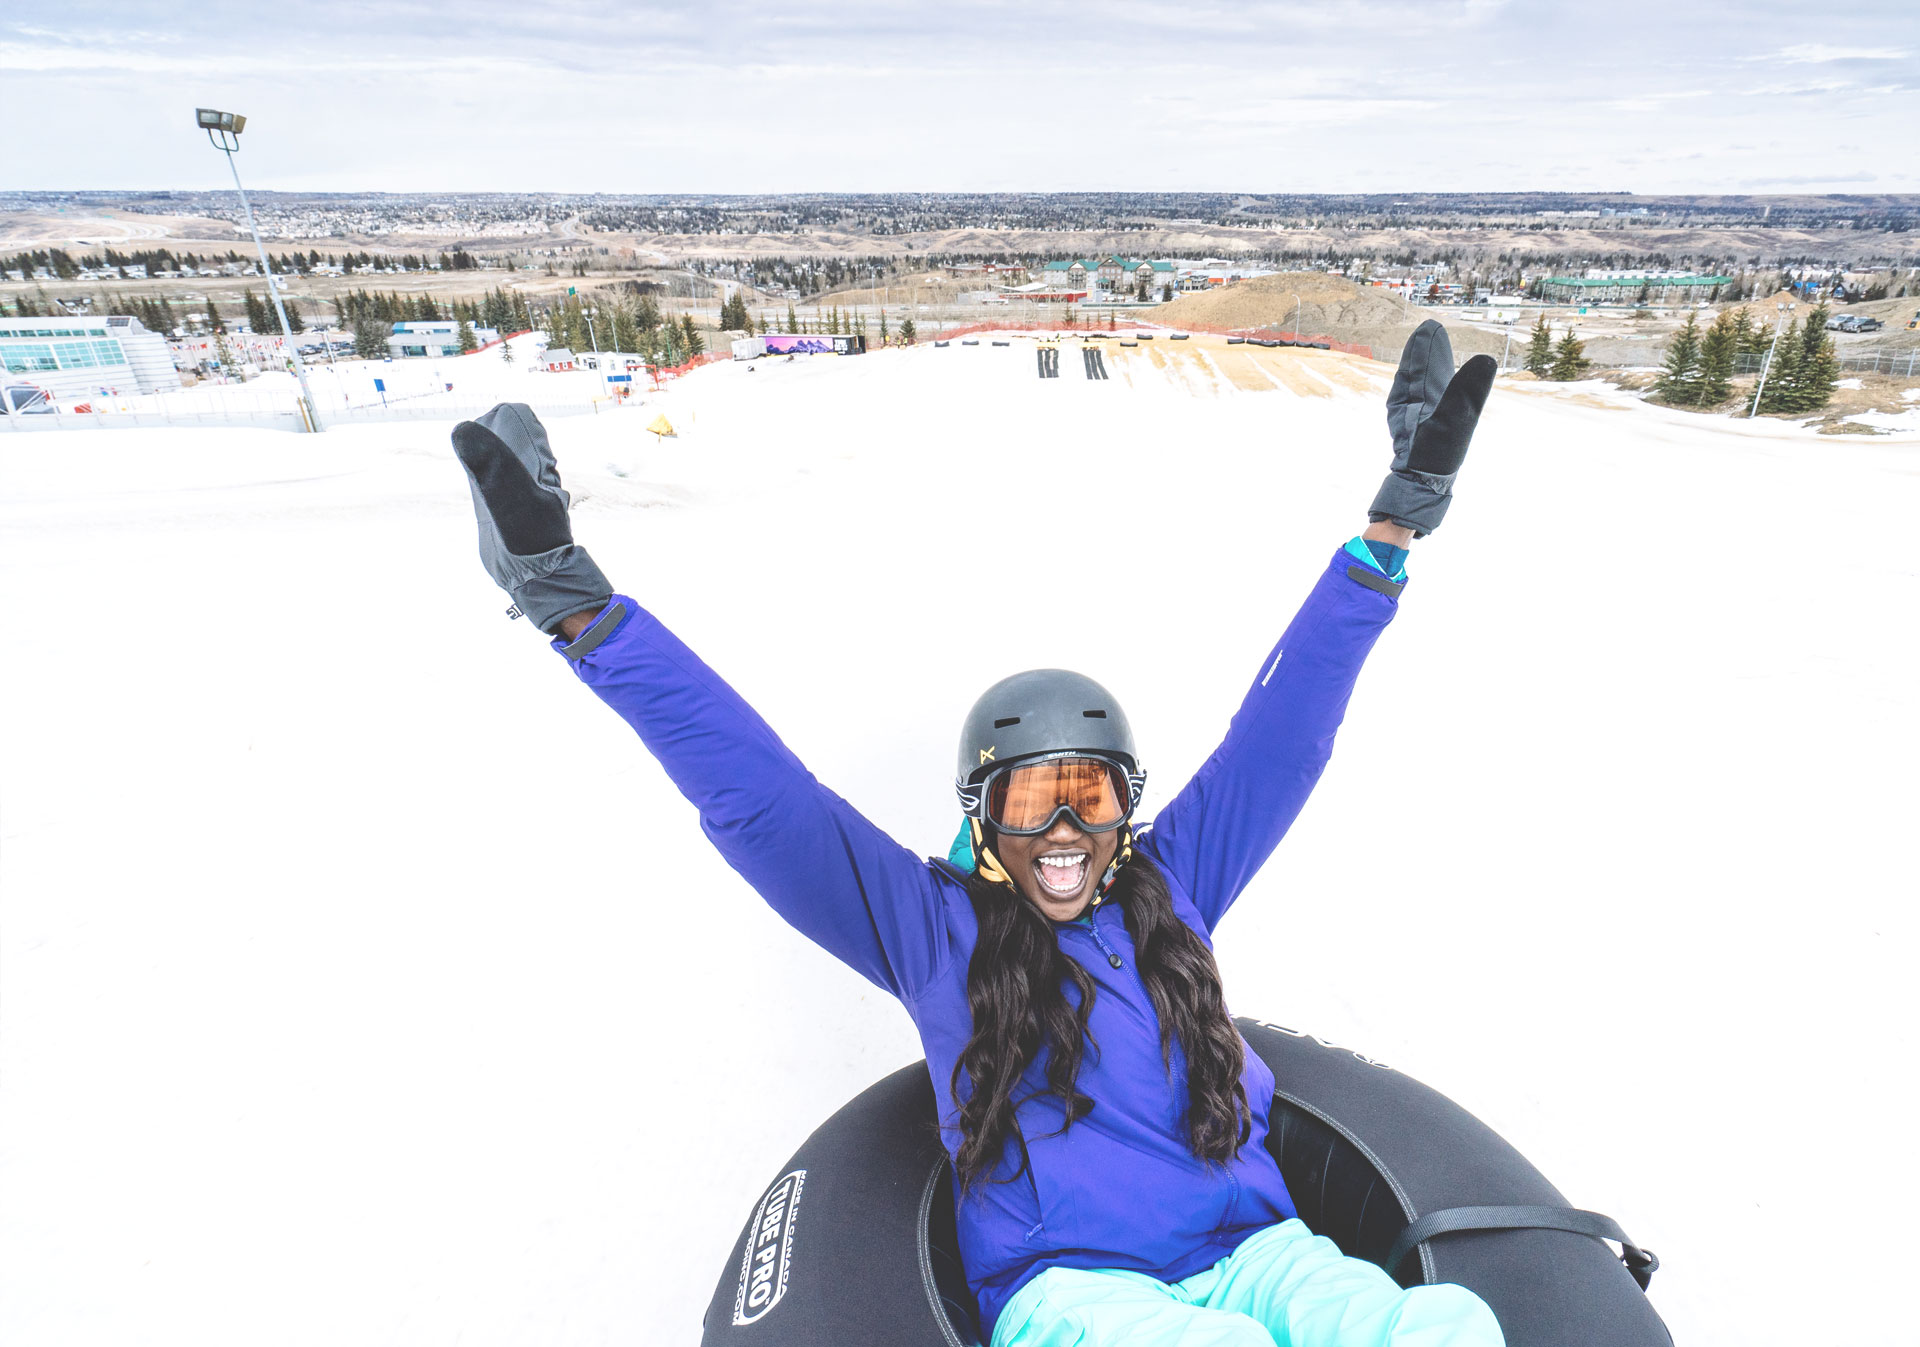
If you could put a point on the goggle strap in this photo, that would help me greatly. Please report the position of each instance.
(985, 861)
(1120, 857)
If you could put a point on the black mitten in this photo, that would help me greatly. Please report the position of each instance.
(1431, 412)
(526, 539)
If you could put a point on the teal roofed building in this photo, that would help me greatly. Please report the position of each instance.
(1112, 274)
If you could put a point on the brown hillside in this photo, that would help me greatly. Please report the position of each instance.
(1330, 306)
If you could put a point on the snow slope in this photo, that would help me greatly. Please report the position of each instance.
(362, 980)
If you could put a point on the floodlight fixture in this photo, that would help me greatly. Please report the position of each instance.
(222, 128)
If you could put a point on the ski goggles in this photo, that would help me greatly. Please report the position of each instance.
(1027, 798)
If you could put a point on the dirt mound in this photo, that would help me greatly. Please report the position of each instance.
(1329, 306)
(1763, 313)
(1268, 301)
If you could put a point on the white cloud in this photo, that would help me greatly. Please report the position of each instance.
(1373, 95)
(1815, 53)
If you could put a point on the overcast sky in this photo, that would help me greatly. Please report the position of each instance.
(857, 95)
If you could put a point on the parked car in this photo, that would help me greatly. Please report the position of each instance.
(1865, 324)
(1841, 322)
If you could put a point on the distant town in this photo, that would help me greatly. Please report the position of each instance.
(171, 284)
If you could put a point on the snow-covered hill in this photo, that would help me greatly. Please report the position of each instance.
(362, 980)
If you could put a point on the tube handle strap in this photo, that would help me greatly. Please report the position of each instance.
(1641, 1263)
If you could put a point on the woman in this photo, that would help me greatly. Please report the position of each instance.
(1104, 1117)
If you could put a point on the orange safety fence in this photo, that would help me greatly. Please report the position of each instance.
(496, 341)
(673, 371)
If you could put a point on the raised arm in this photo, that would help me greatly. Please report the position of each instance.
(1219, 830)
(826, 869)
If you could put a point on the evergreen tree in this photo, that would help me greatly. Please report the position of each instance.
(257, 320)
(295, 323)
(506, 349)
(626, 333)
(468, 342)
(906, 331)
(646, 315)
(1781, 390)
(695, 346)
(1540, 349)
(1742, 325)
(1819, 365)
(215, 323)
(883, 326)
(1680, 382)
(1716, 361)
(223, 352)
(1569, 358)
(493, 310)
(793, 322)
(370, 338)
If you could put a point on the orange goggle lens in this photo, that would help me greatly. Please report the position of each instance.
(1027, 798)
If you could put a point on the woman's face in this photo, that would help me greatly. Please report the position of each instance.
(1056, 870)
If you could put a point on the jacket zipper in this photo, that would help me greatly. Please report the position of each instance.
(1093, 924)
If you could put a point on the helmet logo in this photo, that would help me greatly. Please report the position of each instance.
(986, 756)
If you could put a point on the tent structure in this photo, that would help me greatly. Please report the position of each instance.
(660, 425)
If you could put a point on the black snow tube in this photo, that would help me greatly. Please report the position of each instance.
(853, 1244)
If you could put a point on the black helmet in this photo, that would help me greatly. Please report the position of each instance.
(1039, 713)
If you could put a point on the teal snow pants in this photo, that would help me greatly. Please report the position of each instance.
(1283, 1287)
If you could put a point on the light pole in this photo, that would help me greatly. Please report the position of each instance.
(1293, 315)
(223, 130)
(1767, 364)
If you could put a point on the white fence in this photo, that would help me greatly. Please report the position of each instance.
(1905, 363)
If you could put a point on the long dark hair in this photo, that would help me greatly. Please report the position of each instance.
(1016, 985)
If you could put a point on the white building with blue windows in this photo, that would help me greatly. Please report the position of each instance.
(432, 338)
(81, 357)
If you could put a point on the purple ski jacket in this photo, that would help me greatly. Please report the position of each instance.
(1119, 1189)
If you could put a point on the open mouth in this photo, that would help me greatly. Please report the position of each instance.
(1062, 873)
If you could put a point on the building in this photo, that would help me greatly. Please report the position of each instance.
(556, 360)
(432, 339)
(1111, 275)
(1633, 289)
(80, 357)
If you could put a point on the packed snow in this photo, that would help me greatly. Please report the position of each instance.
(365, 981)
